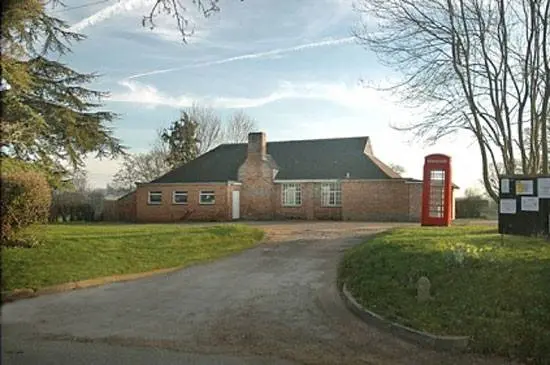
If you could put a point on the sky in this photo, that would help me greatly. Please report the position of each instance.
(294, 66)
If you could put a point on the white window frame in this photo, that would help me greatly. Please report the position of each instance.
(291, 195)
(206, 193)
(331, 191)
(180, 192)
(155, 192)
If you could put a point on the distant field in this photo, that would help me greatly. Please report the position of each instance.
(72, 252)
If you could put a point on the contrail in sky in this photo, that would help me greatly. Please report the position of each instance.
(249, 56)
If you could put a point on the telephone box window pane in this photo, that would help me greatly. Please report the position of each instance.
(437, 175)
(437, 193)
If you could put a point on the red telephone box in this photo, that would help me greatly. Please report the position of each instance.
(437, 191)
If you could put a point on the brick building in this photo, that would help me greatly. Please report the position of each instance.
(337, 179)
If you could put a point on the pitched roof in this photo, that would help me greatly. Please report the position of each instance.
(296, 160)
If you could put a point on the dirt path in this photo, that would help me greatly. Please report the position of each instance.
(277, 302)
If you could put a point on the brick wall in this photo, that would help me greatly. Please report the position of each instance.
(193, 210)
(256, 190)
(415, 202)
(121, 210)
(256, 175)
(110, 211)
(126, 208)
(384, 200)
(311, 207)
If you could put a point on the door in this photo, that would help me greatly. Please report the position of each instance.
(236, 205)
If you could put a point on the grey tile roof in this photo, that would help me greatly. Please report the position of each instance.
(296, 160)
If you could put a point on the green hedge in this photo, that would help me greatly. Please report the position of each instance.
(26, 199)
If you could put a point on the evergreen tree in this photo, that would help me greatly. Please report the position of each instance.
(181, 139)
(48, 116)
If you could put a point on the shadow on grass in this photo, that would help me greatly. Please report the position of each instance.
(497, 294)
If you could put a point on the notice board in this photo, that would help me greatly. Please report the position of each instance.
(524, 205)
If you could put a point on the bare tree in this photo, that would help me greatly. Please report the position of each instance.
(209, 131)
(238, 127)
(180, 13)
(480, 66)
(80, 181)
(140, 167)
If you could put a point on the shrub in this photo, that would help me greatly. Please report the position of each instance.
(13, 165)
(471, 207)
(26, 198)
(74, 206)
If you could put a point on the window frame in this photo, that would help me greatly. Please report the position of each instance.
(297, 193)
(154, 192)
(331, 191)
(205, 193)
(180, 192)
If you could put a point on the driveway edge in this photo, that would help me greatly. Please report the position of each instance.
(447, 343)
(17, 294)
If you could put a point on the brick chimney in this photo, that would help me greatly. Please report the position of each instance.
(257, 146)
(256, 175)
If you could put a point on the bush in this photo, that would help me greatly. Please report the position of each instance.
(74, 206)
(471, 207)
(13, 165)
(26, 198)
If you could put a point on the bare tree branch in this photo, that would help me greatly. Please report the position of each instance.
(479, 66)
(239, 126)
(179, 12)
(209, 131)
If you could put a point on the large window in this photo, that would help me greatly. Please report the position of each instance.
(155, 197)
(292, 195)
(331, 195)
(179, 197)
(207, 197)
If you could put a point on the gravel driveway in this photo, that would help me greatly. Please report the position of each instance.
(273, 304)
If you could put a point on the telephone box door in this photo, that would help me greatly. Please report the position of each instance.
(437, 191)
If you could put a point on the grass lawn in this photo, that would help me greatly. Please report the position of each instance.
(496, 292)
(73, 252)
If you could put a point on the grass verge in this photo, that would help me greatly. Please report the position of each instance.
(492, 288)
(78, 252)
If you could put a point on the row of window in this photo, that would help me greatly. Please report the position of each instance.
(206, 197)
(331, 195)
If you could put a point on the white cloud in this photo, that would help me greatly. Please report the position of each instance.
(248, 56)
(149, 95)
(349, 96)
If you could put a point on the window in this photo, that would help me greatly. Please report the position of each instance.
(331, 195)
(292, 195)
(155, 197)
(179, 197)
(207, 197)
(437, 193)
(437, 175)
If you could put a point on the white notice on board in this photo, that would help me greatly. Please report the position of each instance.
(530, 203)
(543, 187)
(505, 186)
(508, 206)
(524, 187)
